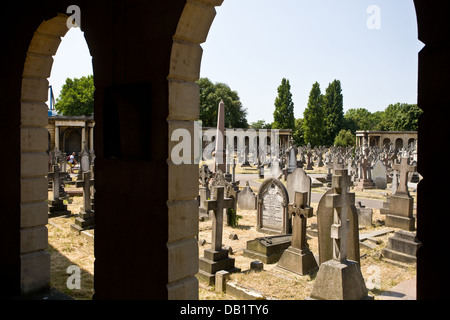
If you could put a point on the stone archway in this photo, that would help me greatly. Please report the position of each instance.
(185, 61)
(34, 259)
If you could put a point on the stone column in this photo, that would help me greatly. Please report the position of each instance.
(56, 137)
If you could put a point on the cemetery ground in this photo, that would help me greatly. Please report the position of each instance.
(67, 248)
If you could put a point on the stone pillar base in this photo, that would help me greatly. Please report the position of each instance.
(298, 261)
(339, 281)
(212, 262)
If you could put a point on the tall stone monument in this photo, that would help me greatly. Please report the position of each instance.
(340, 278)
(298, 258)
(220, 153)
(401, 203)
(56, 207)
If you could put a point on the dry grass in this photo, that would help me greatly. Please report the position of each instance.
(67, 248)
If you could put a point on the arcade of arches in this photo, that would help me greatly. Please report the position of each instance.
(146, 58)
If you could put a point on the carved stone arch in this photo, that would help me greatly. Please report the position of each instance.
(185, 60)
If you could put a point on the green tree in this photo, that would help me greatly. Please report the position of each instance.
(76, 97)
(358, 119)
(333, 112)
(210, 96)
(299, 135)
(313, 123)
(260, 124)
(345, 138)
(283, 116)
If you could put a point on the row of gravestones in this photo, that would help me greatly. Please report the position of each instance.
(337, 220)
(85, 180)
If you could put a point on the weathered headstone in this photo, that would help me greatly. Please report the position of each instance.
(364, 215)
(379, 175)
(247, 198)
(85, 220)
(299, 181)
(272, 211)
(401, 203)
(204, 176)
(216, 258)
(340, 278)
(364, 181)
(325, 219)
(298, 258)
(56, 207)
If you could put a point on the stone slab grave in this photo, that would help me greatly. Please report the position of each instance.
(56, 206)
(85, 220)
(299, 181)
(402, 247)
(247, 198)
(298, 258)
(340, 278)
(216, 258)
(401, 203)
(267, 249)
(364, 182)
(272, 211)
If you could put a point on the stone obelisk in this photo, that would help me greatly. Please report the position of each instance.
(220, 154)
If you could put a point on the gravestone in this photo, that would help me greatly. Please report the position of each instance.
(299, 181)
(298, 258)
(219, 180)
(379, 175)
(275, 170)
(56, 206)
(272, 210)
(216, 258)
(401, 203)
(364, 182)
(205, 175)
(340, 278)
(247, 198)
(85, 220)
(220, 152)
(325, 219)
(364, 215)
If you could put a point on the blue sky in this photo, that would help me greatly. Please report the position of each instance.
(253, 44)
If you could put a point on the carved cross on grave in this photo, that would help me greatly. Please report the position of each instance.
(340, 201)
(364, 165)
(404, 169)
(86, 184)
(204, 175)
(300, 212)
(217, 205)
(56, 176)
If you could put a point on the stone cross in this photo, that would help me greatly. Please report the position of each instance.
(300, 212)
(86, 184)
(364, 165)
(403, 169)
(55, 176)
(218, 204)
(205, 175)
(341, 201)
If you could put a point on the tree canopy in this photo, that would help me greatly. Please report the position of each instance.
(283, 116)
(210, 96)
(76, 97)
(313, 117)
(333, 104)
